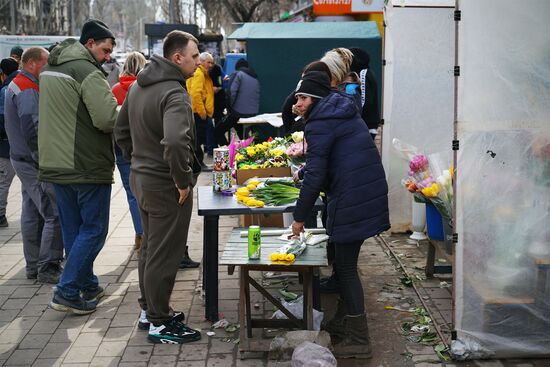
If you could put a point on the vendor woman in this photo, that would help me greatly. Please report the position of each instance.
(343, 162)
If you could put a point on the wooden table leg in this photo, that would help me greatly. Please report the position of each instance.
(242, 309)
(210, 266)
(247, 301)
(308, 300)
(430, 260)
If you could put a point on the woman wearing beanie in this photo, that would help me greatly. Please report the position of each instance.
(132, 66)
(343, 162)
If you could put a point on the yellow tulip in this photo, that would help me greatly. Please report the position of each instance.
(289, 257)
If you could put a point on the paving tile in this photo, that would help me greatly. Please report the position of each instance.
(88, 340)
(12, 336)
(24, 292)
(45, 327)
(23, 357)
(163, 361)
(218, 346)
(47, 362)
(111, 349)
(96, 326)
(33, 310)
(118, 334)
(6, 350)
(220, 360)
(15, 304)
(250, 362)
(23, 323)
(65, 335)
(52, 315)
(132, 364)
(34, 341)
(80, 355)
(105, 361)
(193, 352)
(166, 350)
(137, 354)
(124, 320)
(54, 350)
(191, 364)
(73, 321)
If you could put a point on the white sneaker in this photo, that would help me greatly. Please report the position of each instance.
(143, 323)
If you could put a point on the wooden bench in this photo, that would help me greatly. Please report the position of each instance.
(236, 254)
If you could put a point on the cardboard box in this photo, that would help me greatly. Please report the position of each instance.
(262, 220)
(245, 174)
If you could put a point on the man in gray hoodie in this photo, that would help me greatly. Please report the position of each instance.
(155, 130)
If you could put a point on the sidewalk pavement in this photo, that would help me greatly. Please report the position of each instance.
(31, 334)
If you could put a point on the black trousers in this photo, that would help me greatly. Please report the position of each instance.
(351, 289)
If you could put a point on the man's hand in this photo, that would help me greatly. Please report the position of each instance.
(203, 118)
(296, 175)
(217, 89)
(297, 228)
(184, 193)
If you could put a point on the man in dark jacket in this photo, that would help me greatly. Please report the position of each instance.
(155, 129)
(343, 162)
(244, 100)
(369, 89)
(8, 70)
(40, 227)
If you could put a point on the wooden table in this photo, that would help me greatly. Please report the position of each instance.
(236, 254)
(211, 205)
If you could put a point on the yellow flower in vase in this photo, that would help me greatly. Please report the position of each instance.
(431, 191)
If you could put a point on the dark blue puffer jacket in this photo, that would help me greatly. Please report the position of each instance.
(343, 161)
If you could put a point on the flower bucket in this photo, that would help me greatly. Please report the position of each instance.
(434, 223)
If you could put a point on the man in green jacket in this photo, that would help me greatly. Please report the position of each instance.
(77, 114)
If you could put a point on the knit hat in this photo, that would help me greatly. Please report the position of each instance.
(360, 59)
(314, 84)
(241, 63)
(8, 65)
(16, 50)
(96, 30)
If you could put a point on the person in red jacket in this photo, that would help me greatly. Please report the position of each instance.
(134, 63)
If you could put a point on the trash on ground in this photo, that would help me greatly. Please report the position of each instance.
(220, 324)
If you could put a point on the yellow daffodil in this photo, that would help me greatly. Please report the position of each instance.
(250, 151)
(239, 157)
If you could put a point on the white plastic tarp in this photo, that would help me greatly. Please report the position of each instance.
(418, 93)
(502, 270)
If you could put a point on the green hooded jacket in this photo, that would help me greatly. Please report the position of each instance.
(77, 114)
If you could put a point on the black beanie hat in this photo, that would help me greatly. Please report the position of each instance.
(241, 63)
(314, 84)
(16, 50)
(360, 59)
(96, 30)
(9, 65)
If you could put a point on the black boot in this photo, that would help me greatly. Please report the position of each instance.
(335, 327)
(355, 341)
(187, 263)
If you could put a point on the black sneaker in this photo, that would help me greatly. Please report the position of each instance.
(173, 331)
(93, 295)
(50, 274)
(187, 263)
(144, 324)
(78, 306)
(3, 221)
(31, 274)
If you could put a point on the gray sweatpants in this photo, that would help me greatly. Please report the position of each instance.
(6, 177)
(165, 229)
(40, 226)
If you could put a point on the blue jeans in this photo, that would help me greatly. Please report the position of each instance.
(124, 169)
(84, 215)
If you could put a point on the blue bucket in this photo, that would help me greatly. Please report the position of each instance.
(434, 223)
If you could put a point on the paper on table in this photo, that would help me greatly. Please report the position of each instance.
(274, 119)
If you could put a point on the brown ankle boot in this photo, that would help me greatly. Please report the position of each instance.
(355, 342)
(335, 327)
(137, 242)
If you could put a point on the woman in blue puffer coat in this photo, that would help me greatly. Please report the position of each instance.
(343, 162)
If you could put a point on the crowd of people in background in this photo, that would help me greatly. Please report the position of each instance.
(62, 109)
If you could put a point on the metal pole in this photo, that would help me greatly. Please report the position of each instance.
(12, 16)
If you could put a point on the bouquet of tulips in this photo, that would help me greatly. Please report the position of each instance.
(271, 153)
(429, 179)
(296, 151)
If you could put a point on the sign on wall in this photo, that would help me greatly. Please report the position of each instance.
(338, 7)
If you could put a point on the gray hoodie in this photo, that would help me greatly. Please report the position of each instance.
(244, 92)
(155, 126)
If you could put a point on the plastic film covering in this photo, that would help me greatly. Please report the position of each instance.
(418, 93)
(502, 265)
